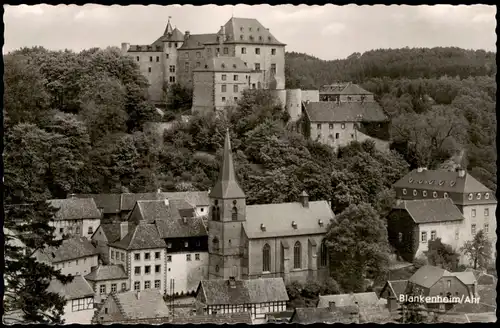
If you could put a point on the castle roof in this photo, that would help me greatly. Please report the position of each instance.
(141, 236)
(70, 249)
(346, 88)
(276, 220)
(107, 272)
(198, 41)
(329, 111)
(227, 186)
(75, 209)
(223, 64)
(248, 30)
(431, 210)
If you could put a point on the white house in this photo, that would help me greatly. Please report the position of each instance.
(79, 295)
(106, 279)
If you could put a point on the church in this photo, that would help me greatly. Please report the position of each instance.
(283, 240)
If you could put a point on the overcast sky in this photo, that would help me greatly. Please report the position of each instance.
(327, 32)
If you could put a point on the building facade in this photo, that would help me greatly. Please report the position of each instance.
(75, 217)
(345, 92)
(174, 56)
(106, 279)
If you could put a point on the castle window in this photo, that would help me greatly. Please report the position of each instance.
(471, 196)
(215, 213)
(235, 99)
(257, 51)
(235, 88)
(170, 44)
(473, 229)
(226, 51)
(158, 48)
(241, 28)
(171, 68)
(150, 58)
(266, 258)
(259, 86)
(223, 88)
(157, 59)
(400, 237)
(209, 50)
(414, 192)
(473, 212)
(330, 126)
(77, 230)
(235, 77)
(223, 65)
(176, 44)
(423, 238)
(273, 52)
(257, 66)
(215, 241)
(273, 68)
(217, 50)
(486, 227)
(342, 125)
(139, 48)
(435, 194)
(445, 195)
(250, 29)
(433, 235)
(243, 50)
(198, 64)
(404, 192)
(478, 197)
(486, 212)
(137, 285)
(234, 213)
(457, 234)
(171, 79)
(424, 193)
(318, 126)
(186, 67)
(198, 54)
(147, 284)
(223, 77)
(297, 250)
(149, 69)
(223, 99)
(323, 255)
(487, 196)
(241, 37)
(260, 38)
(137, 58)
(337, 135)
(269, 38)
(216, 268)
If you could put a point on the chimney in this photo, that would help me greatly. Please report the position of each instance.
(331, 306)
(123, 229)
(232, 282)
(461, 173)
(304, 199)
(187, 35)
(125, 47)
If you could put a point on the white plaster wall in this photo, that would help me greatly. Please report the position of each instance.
(81, 266)
(94, 223)
(201, 211)
(187, 274)
(83, 317)
(444, 230)
(328, 136)
(152, 262)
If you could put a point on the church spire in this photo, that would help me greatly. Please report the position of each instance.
(226, 185)
(168, 29)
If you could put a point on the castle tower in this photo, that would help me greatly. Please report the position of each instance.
(226, 250)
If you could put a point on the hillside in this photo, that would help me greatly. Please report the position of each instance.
(305, 71)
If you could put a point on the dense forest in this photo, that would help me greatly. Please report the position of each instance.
(442, 101)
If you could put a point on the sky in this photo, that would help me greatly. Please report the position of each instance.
(327, 32)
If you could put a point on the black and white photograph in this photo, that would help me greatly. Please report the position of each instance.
(249, 164)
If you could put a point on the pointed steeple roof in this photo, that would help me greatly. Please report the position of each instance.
(168, 29)
(226, 185)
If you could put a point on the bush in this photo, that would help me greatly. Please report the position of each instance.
(419, 262)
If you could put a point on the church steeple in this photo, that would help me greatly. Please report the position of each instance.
(168, 29)
(226, 185)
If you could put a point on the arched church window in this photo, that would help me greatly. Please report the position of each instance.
(266, 258)
(297, 250)
(234, 213)
(215, 241)
(323, 255)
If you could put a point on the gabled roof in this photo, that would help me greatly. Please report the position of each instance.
(75, 208)
(222, 64)
(397, 287)
(225, 318)
(253, 291)
(198, 41)
(482, 277)
(145, 304)
(129, 200)
(141, 236)
(427, 276)
(466, 277)
(346, 88)
(446, 181)
(70, 249)
(362, 299)
(487, 301)
(329, 111)
(240, 30)
(110, 203)
(195, 198)
(78, 288)
(277, 219)
(227, 185)
(174, 35)
(107, 272)
(342, 314)
(111, 230)
(374, 313)
(431, 210)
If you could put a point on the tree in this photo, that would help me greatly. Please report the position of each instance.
(27, 280)
(411, 312)
(358, 247)
(179, 98)
(443, 255)
(478, 250)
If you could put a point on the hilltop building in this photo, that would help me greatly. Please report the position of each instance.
(451, 205)
(345, 92)
(177, 57)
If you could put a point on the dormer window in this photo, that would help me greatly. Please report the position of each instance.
(262, 227)
(445, 195)
(139, 48)
(478, 197)
(320, 222)
(420, 181)
(294, 224)
(223, 65)
(404, 192)
(487, 196)
(414, 192)
(435, 194)
(424, 193)
(260, 38)
(241, 37)
(431, 182)
(471, 196)
(269, 38)
(410, 180)
(234, 65)
(452, 183)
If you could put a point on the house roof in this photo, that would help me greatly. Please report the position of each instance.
(342, 314)
(128, 199)
(277, 219)
(147, 303)
(427, 276)
(363, 299)
(398, 287)
(112, 231)
(176, 228)
(226, 318)
(253, 291)
(329, 111)
(239, 30)
(78, 288)
(374, 313)
(110, 203)
(227, 185)
(195, 198)
(198, 41)
(487, 301)
(70, 249)
(75, 208)
(223, 64)
(346, 88)
(446, 181)
(466, 277)
(431, 210)
(107, 272)
(482, 277)
(141, 236)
